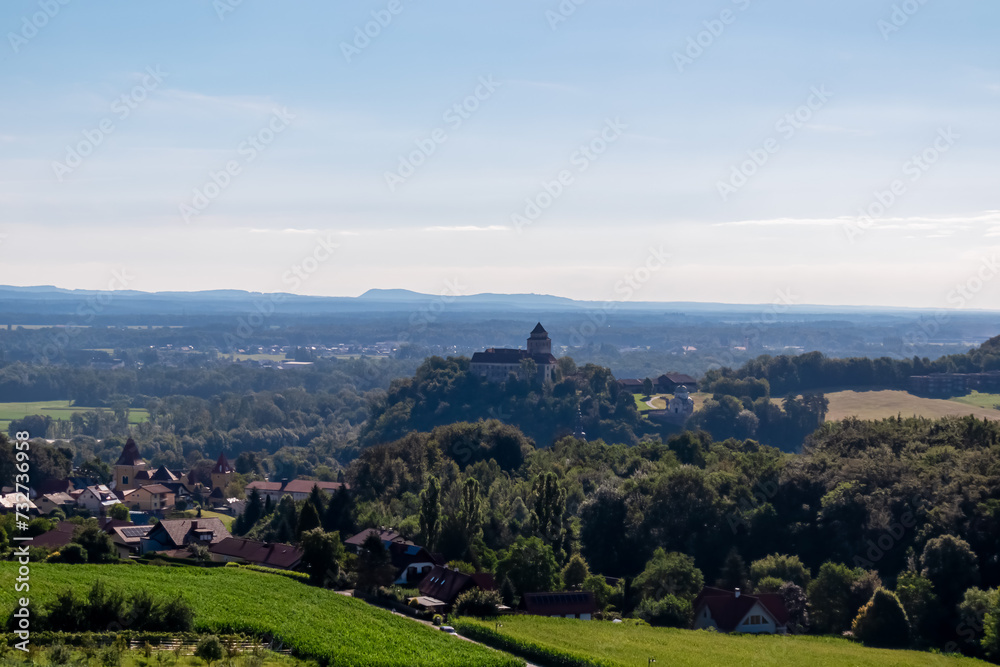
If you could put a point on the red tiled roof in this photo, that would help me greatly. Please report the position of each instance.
(264, 486)
(384, 535)
(282, 556)
(56, 538)
(306, 486)
(445, 584)
(728, 610)
(559, 604)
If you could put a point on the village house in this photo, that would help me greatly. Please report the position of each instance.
(580, 605)
(239, 550)
(178, 534)
(152, 498)
(495, 364)
(298, 489)
(732, 611)
(411, 561)
(10, 501)
(128, 539)
(97, 499)
(669, 382)
(442, 585)
(50, 502)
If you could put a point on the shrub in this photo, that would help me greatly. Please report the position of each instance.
(477, 602)
(669, 612)
(438, 619)
(769, 585)
(882, 621)
(209, 649)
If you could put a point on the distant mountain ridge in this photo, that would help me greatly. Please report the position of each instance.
(51, 300)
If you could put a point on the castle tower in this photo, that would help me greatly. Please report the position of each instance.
(539, 341)
(222, 473)
(129, 465)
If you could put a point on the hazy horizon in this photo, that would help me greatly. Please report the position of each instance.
(728, 152)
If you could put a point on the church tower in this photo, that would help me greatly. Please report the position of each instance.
(539, 342)
(129, 464)
(222, 473)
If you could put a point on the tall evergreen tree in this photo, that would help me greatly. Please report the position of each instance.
(430, 512)
(318, 498)
(548, 508)
(339, 515)
(470, 513)
(308, 519)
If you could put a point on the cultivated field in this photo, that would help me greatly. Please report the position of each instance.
(600, 644)
(317, 623)
(989, 401)
(883, 404)
(57, 410)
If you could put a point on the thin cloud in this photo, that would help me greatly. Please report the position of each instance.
(467, 228)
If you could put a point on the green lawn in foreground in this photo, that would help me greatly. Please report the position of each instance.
(989, 401)
(319, 623)
(137, 659)
(57, 410)
(625, 645)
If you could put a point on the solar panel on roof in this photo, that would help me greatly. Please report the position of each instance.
(135, 531)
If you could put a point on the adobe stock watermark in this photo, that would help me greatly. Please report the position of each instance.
(787, 126)
(562, 13)
(960, 297)
(121, 108)
(626, 288)
(579, 161)
(33, 24)
(754, 330)
(248, 151)
(85, 314)
(453, 117)
(913, 170)
(363, 35)
(700, 42)
(900, 16)
(225, 7)
(298, 273)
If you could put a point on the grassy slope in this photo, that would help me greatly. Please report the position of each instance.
(988, 401)
(628, 645)
(317, 622)
(883, 404)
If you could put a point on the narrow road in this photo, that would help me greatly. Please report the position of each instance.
(432, 626)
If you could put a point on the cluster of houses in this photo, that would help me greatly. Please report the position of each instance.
(151, 492)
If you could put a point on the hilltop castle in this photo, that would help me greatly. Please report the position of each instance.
(495, 364)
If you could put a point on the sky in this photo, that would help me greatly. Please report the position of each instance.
(735, 151)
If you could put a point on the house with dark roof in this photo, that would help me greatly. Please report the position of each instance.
(574, 604)
(239, 550)
(495, 364)
(669, 382)
(631, 384)
(411, 561)
(172, 534)
(442, 585)
(128, 539)
(733, 611)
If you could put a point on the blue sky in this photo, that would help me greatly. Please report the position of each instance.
(748, 158)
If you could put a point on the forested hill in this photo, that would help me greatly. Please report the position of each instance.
(812, 371)
(443, 391)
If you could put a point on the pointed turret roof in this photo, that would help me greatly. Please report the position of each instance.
(162, 474)
(130, 455)
(539, 329)
(222, 465)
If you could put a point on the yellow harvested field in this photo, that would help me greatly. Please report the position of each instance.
(887, 403)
